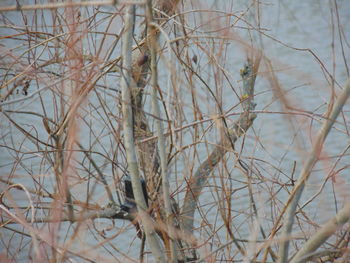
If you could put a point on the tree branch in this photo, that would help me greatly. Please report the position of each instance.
(297, 191)
(317, 239)
(110, 212)
(127, 85)
(198, 181)
(159, 128)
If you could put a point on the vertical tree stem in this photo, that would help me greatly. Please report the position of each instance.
(126, 81)
(152, 43)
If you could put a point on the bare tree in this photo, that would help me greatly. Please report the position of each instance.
(165, 131)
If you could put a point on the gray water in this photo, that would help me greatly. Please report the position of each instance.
(273, 143)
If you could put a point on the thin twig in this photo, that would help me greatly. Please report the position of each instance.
(100, 174)
(68, 4)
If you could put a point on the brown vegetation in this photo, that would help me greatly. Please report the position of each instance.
(98, 94)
